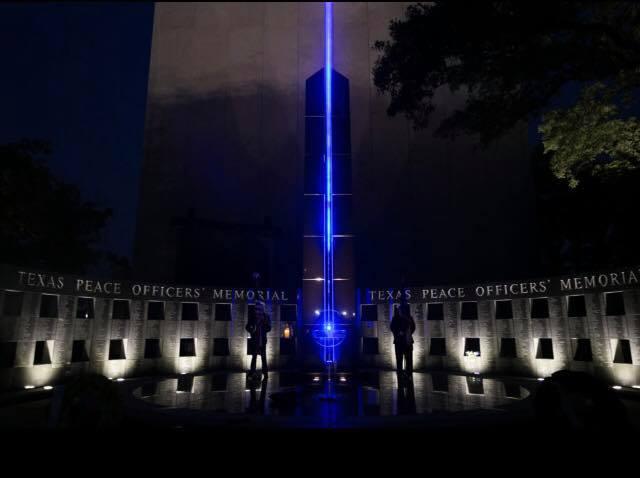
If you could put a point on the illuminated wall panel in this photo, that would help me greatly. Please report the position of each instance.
(563, 331)
(96, 335)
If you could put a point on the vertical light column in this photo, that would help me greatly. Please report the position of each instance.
(328, 297)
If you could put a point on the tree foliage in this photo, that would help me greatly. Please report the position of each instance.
(44, 222)
(591, 136)
(512, 58)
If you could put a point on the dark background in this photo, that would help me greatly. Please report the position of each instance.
(75, 74)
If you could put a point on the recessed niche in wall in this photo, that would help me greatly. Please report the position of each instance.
(221, 347)
(622, 352)
(218, 382)
(8, 354)
(223, 312)
(540, 308)
(475, 385)
(155, 310)
(288, 313)
(545, 349)
(576, 306)
(187, 347)
(41, 355)
(615, 303)
(84, 308)
(583, 351)
(472, 345)
(152, 349)
(435, 311)
(369, 345)
(438, 346)
(369, 312)
(48, 305)
(440, 382)
(116, 349)
(12, 306)
(469, 311)
(189, 311)
(121, 310)
(287, 346)
(504, 309)
(508, 347)
(185, 384)
(79, 351)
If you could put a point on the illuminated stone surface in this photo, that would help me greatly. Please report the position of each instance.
(23, 330)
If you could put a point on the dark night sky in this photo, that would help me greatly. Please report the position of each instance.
(76, 74)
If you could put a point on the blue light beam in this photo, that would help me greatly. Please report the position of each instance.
(328, 299)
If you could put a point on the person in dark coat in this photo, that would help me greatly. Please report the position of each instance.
(258, 326)
(403, 326)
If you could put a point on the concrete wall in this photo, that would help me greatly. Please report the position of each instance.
(61, 331)
(25, 322)
(603, 331)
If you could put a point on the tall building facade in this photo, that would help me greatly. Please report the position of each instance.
(225, 143)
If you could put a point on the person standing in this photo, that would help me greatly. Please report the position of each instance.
(258, 326)
(403, 326)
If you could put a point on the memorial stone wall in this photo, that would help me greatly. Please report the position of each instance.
(586, 322)
(54, 325)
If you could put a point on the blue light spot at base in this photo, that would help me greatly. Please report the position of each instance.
(329, 337)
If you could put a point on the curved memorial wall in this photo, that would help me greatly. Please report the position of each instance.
(586, 322)
(56, 325)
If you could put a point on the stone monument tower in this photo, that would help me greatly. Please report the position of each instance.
(328, 293)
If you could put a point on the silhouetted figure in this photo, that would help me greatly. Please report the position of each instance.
(403, 326)
(258, 326)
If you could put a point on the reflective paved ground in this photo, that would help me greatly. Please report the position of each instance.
(342, 400)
